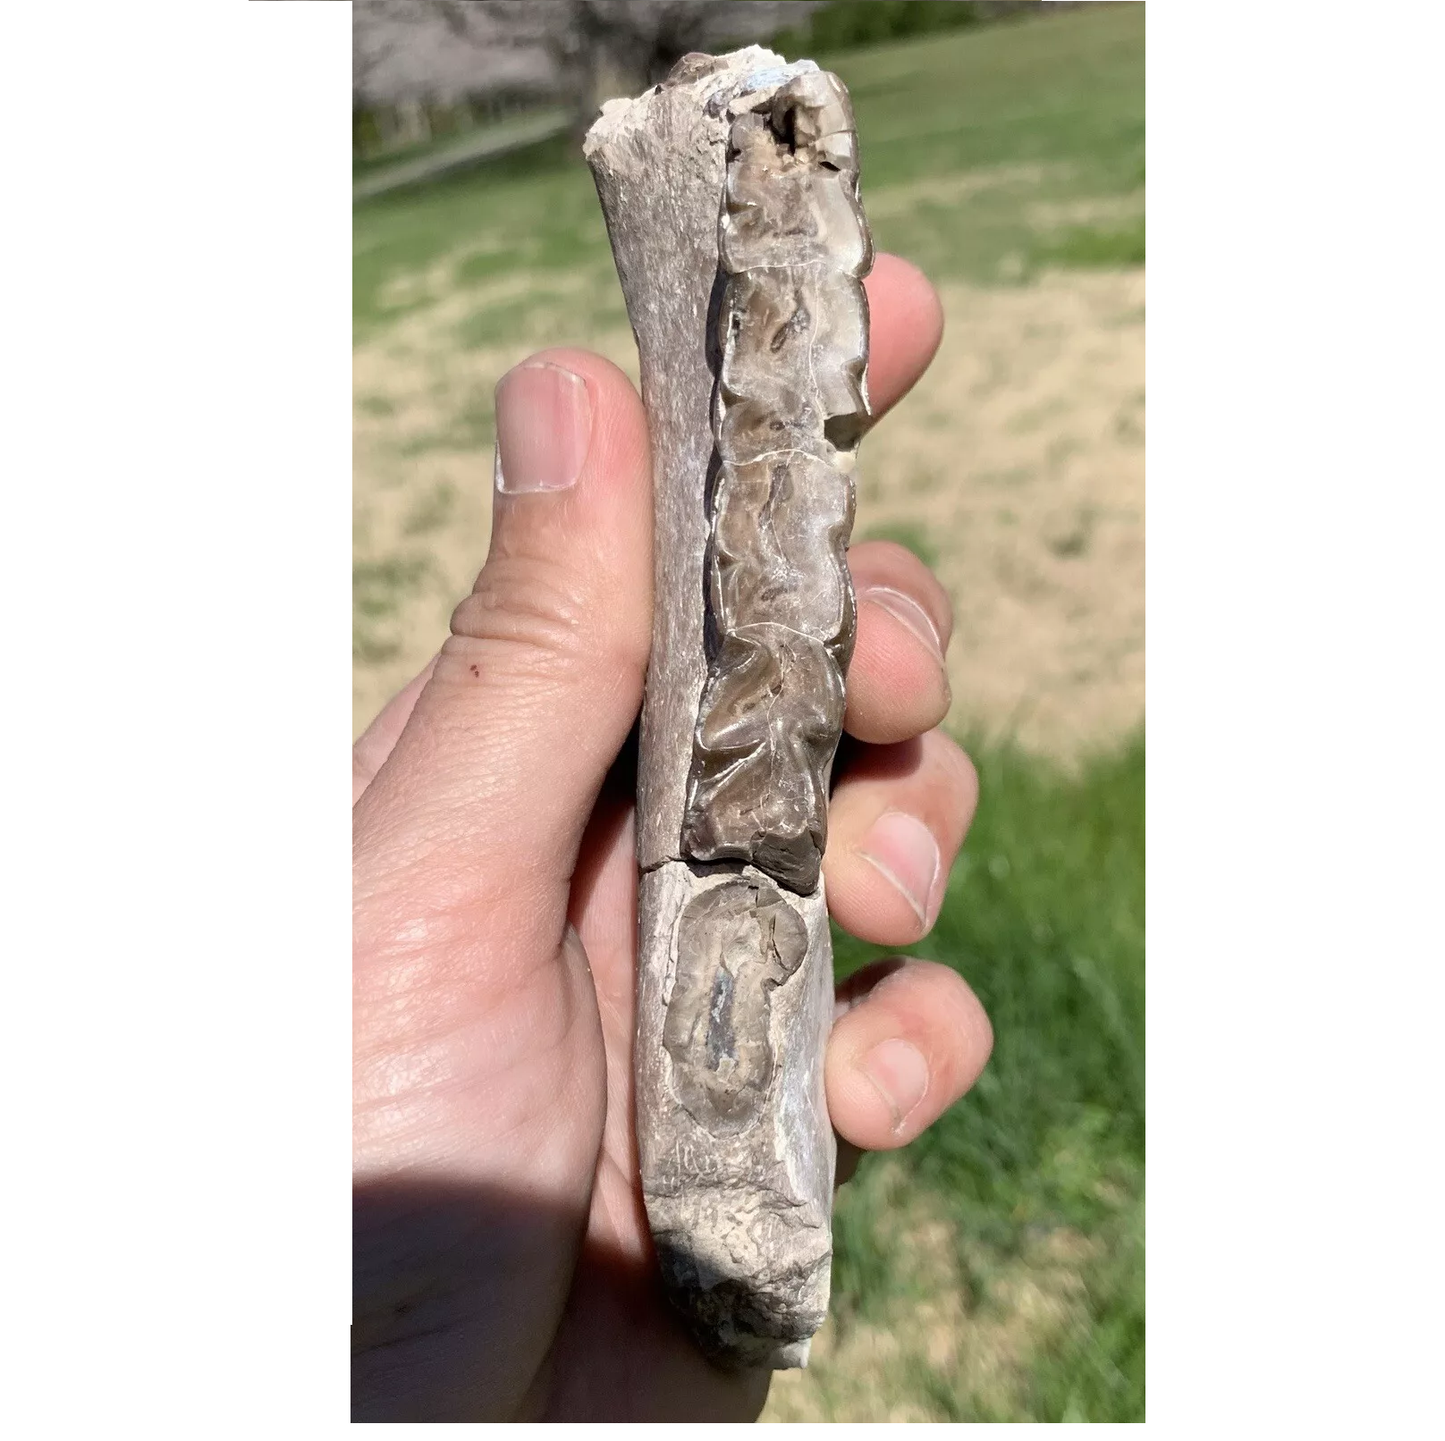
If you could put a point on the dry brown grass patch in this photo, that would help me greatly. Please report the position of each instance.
(1017, 462)
(932, 1336)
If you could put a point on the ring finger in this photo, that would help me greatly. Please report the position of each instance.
(896, 822)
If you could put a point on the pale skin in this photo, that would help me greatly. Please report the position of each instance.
(503, 1263)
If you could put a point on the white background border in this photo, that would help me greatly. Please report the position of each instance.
(176, 545)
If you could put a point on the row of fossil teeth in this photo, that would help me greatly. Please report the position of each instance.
(791, 405)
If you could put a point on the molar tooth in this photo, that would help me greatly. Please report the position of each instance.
(793, 335)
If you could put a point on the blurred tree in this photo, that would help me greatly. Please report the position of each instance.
(606, 48)
(843, 24)
(596, 49)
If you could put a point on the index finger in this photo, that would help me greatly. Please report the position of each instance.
(905, 327)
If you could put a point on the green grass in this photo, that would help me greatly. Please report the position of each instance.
(1049, 109)
(964, 135)
(377, 589)
(911, 536)
(1044, 917)
(364, 165)
(848, 24)
(534, 210)
(1085, 247)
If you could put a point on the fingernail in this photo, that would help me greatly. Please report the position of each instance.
(908, 612)
(898, 1070)
(544, 426)
(904, 851)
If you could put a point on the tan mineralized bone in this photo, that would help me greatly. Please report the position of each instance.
(731, 198)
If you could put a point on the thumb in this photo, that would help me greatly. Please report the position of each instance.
(492, 779)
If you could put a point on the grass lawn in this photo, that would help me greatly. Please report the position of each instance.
(454, 153)
(994, 1270)
(987, 126)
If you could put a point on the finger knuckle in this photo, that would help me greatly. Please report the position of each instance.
(536, 618)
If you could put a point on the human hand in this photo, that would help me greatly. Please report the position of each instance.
(504, 1268)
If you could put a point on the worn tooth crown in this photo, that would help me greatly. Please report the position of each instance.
(791, 405)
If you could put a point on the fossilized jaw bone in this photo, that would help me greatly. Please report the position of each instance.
(730, 194)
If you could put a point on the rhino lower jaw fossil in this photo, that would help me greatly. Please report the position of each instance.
(731, 200)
